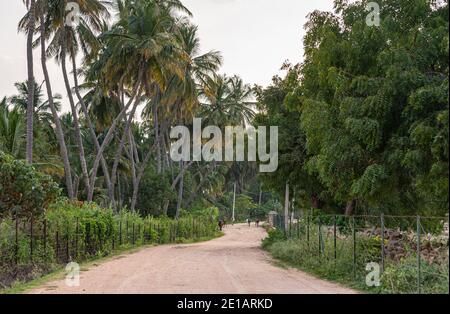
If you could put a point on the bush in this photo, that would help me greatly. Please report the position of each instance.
(24, 192)
(402, 277)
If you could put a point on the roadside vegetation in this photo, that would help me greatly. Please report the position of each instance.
(363, 132)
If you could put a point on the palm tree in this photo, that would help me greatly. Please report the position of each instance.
(183, 92)
(41, 114)
(142, 51)
(12, 129)
(30, 106)
(44, 32)
(226, 101)
(66, 40)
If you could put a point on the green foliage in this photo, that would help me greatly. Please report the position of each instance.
(154, 191)
(402, 277)
(77, 231)
(25, 192)
(366, 113)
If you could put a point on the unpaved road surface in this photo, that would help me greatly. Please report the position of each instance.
(232, 264)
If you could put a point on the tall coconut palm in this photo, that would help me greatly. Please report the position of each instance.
(180, 99)
(30, 106)
(142, 50)
(44, 32)
(66, 42)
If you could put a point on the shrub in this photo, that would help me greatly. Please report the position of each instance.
(77, 231)
(403, 277)
(24, 192)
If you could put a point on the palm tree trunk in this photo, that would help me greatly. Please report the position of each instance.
(122, 143)
(200, 185)
(78, 138)
(91, 129)
(180, 192)
(58, 128)
(109, 137)
(157, 139)
(140, 174)
(30, 104)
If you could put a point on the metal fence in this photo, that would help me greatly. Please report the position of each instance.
(355, 245)
(29, 246)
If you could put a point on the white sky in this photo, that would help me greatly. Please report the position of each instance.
(254, 36)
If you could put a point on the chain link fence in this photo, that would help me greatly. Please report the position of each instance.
(411, 253)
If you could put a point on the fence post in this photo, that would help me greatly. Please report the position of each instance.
(88, 237)
(133, 238)
(67, 243)
(139, 233)
(57, 241)
(290, 227)
(319, 235)
(334, 238)
(418, 256)
(126, 231)
(354, 247)
(77, 231)
(45, 238)
(31, 240)
(17, 242)
(113, 237)
(159, 233)
(120, 231)
(307, 231)
(382, 243)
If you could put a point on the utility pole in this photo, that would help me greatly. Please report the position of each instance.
(286, 208)
(234, 201)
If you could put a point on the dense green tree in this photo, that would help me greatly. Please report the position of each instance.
(373, 103)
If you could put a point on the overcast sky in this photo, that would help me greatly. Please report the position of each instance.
(254, 36)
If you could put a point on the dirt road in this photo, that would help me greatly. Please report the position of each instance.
(233, 264)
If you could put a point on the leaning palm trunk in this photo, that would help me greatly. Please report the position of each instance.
(109, 137)
(91, 129)
(140, 174)
(58, 128)
(202, 182)
(122, 144)
(179, 177)
(78, 138)
(30, 104)
(133, 150)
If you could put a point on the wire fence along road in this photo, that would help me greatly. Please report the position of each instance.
(28, 245)
(419, 245)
